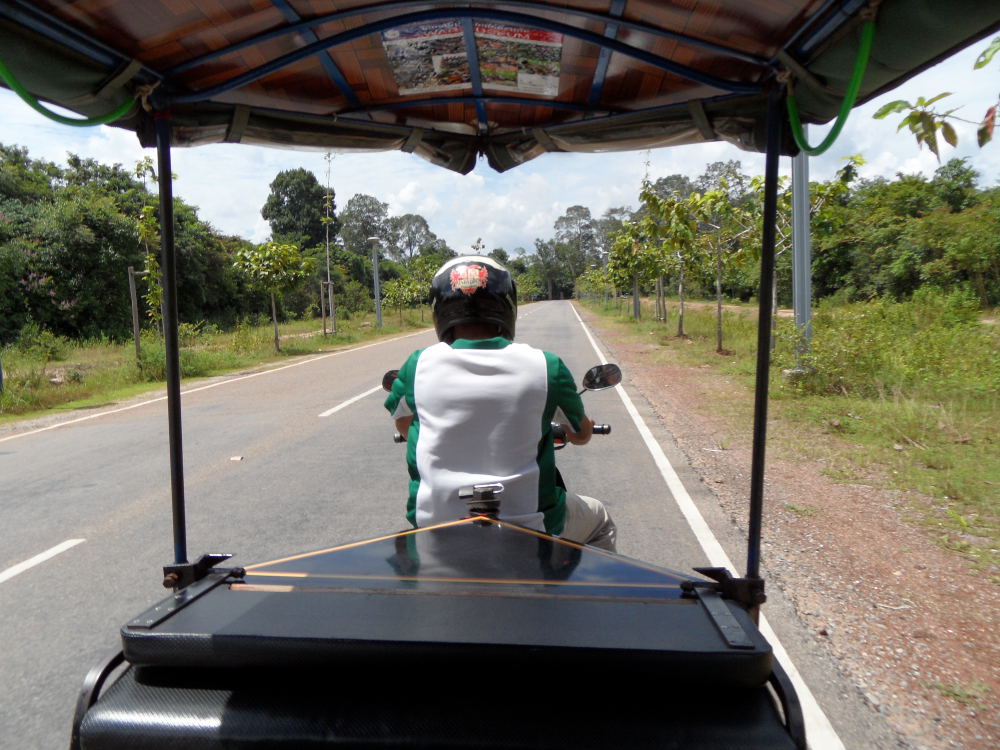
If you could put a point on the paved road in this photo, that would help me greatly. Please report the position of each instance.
(266, 475)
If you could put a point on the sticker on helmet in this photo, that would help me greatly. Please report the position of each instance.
(468, 278)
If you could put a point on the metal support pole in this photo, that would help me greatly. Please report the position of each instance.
(801, 249)
(375, 282)
(326, 224)
(774, 121)
(322, 303)
(168, 262)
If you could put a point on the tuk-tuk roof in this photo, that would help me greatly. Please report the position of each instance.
(450, 80)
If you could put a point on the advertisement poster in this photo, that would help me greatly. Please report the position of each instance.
(431, 57)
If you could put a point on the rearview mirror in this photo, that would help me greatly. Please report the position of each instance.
(602, 376)
(389, 378)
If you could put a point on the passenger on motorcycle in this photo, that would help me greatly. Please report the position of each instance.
(476, 408)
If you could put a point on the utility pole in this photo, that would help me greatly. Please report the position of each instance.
(801, 250)
(327, 200)
(375, 283)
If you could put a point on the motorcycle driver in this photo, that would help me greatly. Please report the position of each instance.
(476, 408)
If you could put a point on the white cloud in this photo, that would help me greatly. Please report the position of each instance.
(229, 183)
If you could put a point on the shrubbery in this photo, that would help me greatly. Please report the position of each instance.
(931, 344)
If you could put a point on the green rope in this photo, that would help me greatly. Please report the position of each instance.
(32, 102)
(860, 64)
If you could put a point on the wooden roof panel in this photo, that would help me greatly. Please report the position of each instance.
(287, 67)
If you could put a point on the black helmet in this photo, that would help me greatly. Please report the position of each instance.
(473, 289)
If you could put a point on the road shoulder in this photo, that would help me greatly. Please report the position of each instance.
(906, 623)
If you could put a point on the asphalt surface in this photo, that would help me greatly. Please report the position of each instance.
(266, 476)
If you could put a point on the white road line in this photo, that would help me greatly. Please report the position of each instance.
(207, 387)
(14, 570)
(345, 404)
(819, 731)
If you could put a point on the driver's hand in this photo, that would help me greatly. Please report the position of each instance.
(583, 436)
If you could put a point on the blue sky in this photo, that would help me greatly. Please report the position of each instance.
(229, 183)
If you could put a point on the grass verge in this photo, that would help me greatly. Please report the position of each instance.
(907, 395)
(43, 373)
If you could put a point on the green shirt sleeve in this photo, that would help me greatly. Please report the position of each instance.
(399, 402)
(562, 392)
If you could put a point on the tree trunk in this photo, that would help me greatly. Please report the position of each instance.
(274, 318)
(636, 309)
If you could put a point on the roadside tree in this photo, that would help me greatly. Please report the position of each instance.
(295, 208)
(273, 267)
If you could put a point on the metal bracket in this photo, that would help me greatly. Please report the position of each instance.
(749, 592)
(728, 626)
(482, 499)
(183, 596)
(180, 575)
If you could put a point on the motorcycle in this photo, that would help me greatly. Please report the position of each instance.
(483, 499)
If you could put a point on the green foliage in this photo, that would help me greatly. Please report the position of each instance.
(273, 266)
(195, 363)
(403, 292)
(149, 236)
(23, 179)
(908, 400)
(529, 286)
(76, 255)
(296, 208)
(14, 310)
(365, 216)
(247, 336)
(413, 237)
(189, 334)
(868, 348)
(354, 298)
(100, 371)
(925, 122)
(596, 282)
(890, 238)
(37, 343)
(68, 236)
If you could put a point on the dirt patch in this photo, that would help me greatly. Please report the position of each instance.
(910, 623)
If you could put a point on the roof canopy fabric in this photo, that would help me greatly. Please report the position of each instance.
(450, 80)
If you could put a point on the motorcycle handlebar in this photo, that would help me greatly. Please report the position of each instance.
(557, 433)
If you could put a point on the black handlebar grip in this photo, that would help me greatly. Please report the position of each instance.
(602, 429)
(397, 438)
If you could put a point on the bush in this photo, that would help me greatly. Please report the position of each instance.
(248, 337)
(34, 341)
(931, 344)
(189, 334)
(194, 362)
(354, 298)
